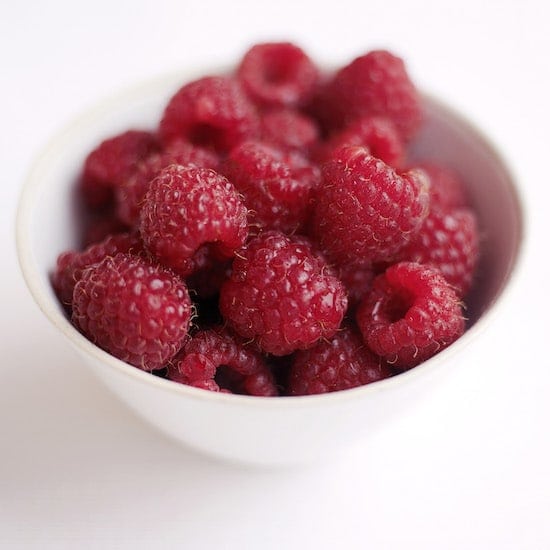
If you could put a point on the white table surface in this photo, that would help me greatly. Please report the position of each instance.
(468, 468)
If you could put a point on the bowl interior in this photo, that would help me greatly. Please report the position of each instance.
(48, 218)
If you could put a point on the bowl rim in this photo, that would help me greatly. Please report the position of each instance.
(27, 203)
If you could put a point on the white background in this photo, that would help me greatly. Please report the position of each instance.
(468, 468)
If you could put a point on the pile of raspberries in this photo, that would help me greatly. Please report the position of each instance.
(272, 236)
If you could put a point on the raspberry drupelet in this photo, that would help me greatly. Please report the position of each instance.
(341, 363)
(211, 349)
(282, 295)
(134, 309)
(186, 208)
(410, 314)
(365, 211)
(212, 112)
(278, 74)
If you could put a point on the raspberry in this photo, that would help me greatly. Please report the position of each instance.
(366, 211)
(186, 208)
(133, 309)
(374, 84)
(377, 134)
(448, 240)
(410, 314)
(446, 188)
(129, 195)
(276, 193)
(278, 74)
(71, 264)
(289, 129)
(210, 349)
(340, 363)
(282, 295)
(213, 112)
(109, 164)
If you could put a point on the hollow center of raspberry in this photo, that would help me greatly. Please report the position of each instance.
(228, 379)
(278, 71)
(396, 306)
(207, 135)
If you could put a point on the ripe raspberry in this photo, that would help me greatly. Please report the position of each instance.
(447, 190)
(340, 363)
(366, 211)
(282, 295)
(213, 112)
(134, 309)
(448, 240)
(410, 314)
(109, 164)
(276, 194)
(289, 129)
(374, 84)
(186, 208)
(129, 195)
(211, 349)
(71, 264)
(377, 134)
(278, 74)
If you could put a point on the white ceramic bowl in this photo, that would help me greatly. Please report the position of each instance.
(260, 430)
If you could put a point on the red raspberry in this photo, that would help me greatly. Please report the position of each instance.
(410, 314)
(278, 74)
(133, 309)
(213, 112)
(340, 363)
(71, 264)
(281, 294)
(374, 84)
(448, 240)
(289, 129)
(447, 190)
(377, 134)
(186, 208)
(109, 164)
(129, 195)
(366, 211)
(210, 349)
(276, 194)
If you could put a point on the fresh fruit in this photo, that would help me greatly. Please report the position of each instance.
(282, 295)
(410, 314)
(289, 214)
(135, 309)
(216, 348)
(365, 211)
(340, 363)
(211, 112)
(186, 208)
